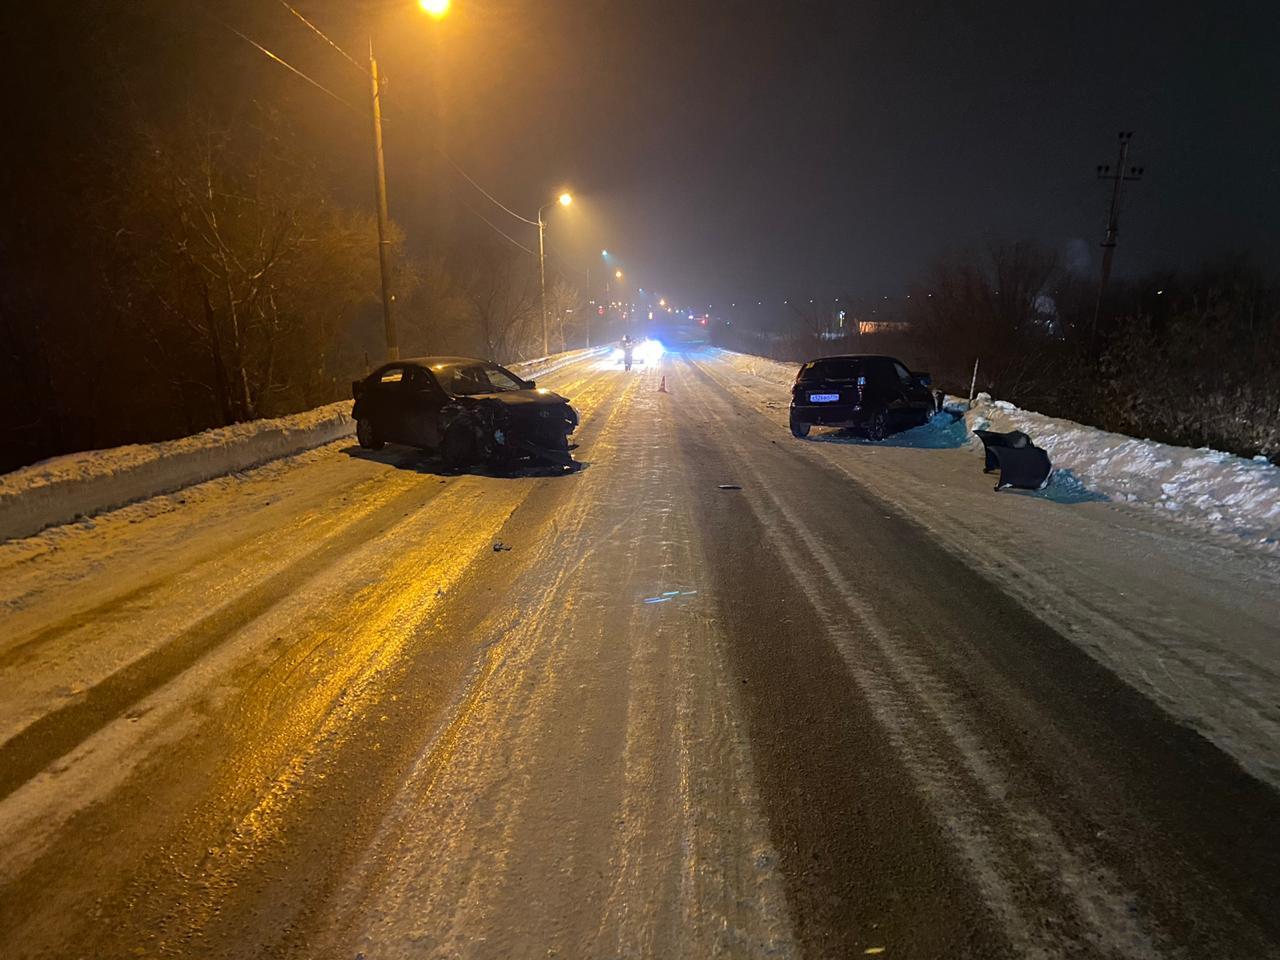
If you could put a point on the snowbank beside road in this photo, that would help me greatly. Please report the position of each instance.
(64, 488)
(774, 371)
(545, 366)
(1207, 488)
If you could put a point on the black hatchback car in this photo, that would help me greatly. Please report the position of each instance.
(470, 411)
(877, 395)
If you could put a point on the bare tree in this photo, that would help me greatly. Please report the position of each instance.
(992, 303)
(502, 288)
(234, 240)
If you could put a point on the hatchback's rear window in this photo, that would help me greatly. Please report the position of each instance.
(835, 370)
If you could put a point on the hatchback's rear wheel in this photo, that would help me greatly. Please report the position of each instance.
(878, 426)
(799, 428)
(367, 436)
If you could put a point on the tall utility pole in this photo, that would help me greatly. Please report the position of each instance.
(542, 279)
(1119, 177)
(564, 200)
(384, 242)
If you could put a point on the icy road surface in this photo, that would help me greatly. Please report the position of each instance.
(347, 705)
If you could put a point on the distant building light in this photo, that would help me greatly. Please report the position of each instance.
(881, 326)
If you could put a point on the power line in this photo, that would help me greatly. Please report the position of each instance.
(321, 87)
(496, 230)
(320, 33)
(564, 262)
(284, 63)
(323, 36)
(487, 195)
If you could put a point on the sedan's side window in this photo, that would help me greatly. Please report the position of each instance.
(419, 379)
(392, 375)
(904, 375)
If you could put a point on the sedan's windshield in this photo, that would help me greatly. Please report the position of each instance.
(460, 380)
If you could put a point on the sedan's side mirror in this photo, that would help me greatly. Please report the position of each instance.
(924, 378)
(530, 384)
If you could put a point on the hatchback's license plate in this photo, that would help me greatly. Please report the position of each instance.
(823, 397)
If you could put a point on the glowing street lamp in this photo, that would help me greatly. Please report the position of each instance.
(435, 9)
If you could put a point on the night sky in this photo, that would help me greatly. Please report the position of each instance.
(731, 150)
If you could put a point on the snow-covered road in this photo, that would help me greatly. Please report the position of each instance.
(862, 702)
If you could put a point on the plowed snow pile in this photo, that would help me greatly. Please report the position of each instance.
(1209, 489)
(60, 489)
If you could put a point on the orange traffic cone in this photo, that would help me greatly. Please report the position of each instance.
(662, 387)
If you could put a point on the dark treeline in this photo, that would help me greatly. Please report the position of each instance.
(177, 256)
(1191, 359)
(181, 252)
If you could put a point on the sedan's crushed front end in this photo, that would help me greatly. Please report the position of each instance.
(509, 429)
(538, 432)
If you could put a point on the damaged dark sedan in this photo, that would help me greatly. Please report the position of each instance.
(471, 412)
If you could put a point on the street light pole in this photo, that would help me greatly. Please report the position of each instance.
(384, 242)
(564, 200)
(436, 9)
(542, 278)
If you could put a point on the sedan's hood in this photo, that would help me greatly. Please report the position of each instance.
(522, 398)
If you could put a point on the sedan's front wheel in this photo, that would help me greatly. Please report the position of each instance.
(367, 436)
(458, 450)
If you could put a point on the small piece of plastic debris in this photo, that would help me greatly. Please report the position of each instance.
(730, 486)
(499, 546)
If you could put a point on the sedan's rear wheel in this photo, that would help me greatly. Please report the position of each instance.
(367, 436)
(799, 429)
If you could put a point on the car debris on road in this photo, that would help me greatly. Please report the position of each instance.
(1021, 463)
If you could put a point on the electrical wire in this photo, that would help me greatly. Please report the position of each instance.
(488, 196)
(564, 262)
(321, 87)
(320, 33)
(284, 63)
(499, 232)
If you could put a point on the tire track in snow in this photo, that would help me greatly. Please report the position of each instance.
(575, 721)
(915, 707)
